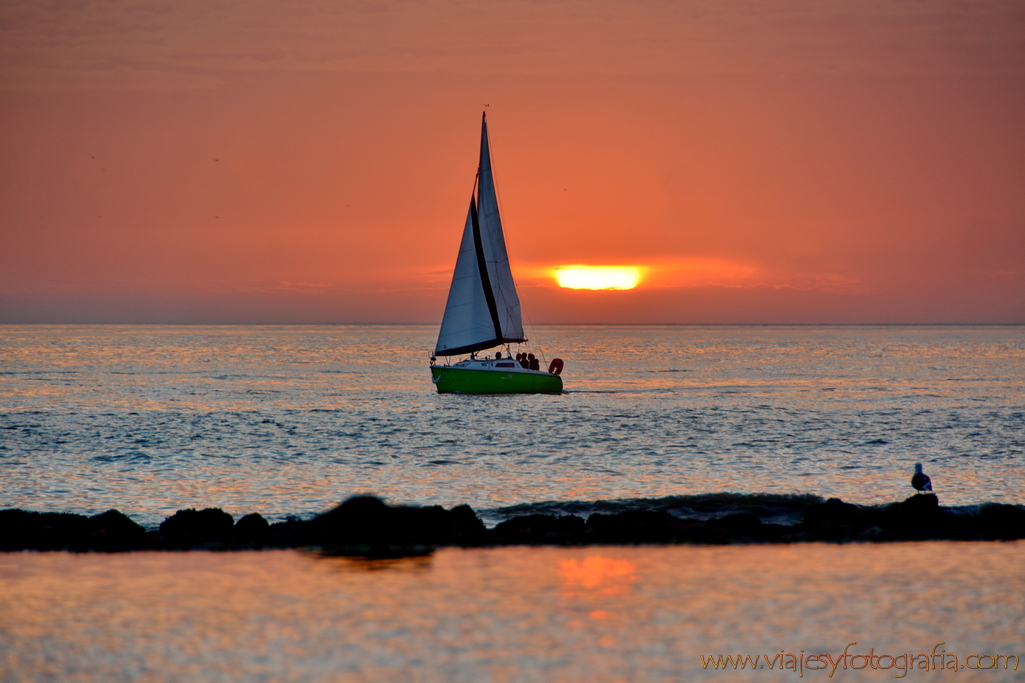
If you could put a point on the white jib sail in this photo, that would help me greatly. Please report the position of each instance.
(483, 309)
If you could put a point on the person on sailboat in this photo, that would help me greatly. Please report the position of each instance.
(533, 362)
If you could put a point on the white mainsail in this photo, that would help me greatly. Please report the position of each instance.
(483, 309)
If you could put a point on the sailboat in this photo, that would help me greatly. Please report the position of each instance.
(483, 308)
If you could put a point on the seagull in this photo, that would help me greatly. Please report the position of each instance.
(921, 481)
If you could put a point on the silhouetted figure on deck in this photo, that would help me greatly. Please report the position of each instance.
(920, 480)
(532, 362)
(522, 358)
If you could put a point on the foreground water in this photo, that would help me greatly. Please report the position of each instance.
(515, 614)
(292, 419)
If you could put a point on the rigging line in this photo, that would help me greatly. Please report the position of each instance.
(540, 350)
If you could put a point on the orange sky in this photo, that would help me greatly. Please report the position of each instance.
(796, 162)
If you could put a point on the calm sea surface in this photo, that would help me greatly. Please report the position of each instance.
(294, 419)
(586, 615)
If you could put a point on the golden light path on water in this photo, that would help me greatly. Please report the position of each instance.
(598, 614)
(598, 277)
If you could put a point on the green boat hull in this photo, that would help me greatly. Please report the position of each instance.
(450, 380)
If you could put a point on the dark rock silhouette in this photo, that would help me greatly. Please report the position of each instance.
(366, 526)
(192, 528)
(252, 529)
(701, 533)
(917, 518)
(1002, 522)
(465, 528)
(22, 530)
(635, 526)
(834, 520)
(741, 523)
(114, 531)
(540, 529)
(291, 533)
(744, 527)
(109, 531)
(833, 511)
(365, 522)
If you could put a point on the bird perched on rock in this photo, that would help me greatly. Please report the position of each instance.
(920, 480)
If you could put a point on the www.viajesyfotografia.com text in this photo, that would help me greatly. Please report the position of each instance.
(937, 660)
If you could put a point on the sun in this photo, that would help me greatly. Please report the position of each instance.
(598, 277)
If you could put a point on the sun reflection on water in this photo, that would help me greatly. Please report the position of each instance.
(611, 576)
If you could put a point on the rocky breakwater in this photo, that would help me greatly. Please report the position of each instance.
(361, 525)
(367, 526)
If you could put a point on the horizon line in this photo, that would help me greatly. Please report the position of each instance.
(542, 324)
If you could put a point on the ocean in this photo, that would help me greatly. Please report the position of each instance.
(291, 420)
(551, 615)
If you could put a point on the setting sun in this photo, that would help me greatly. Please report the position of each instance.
(598, 277)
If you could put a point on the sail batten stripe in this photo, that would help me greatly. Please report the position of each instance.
(485, 278)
